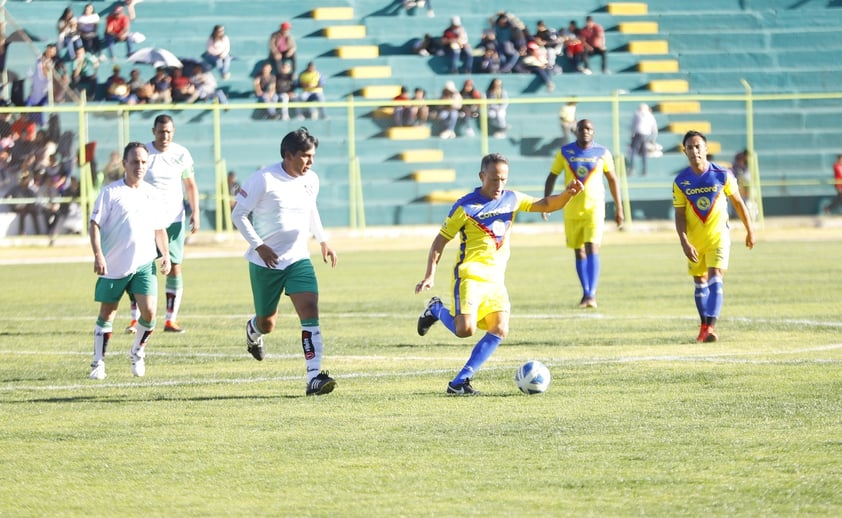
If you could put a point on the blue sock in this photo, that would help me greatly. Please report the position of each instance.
(482, 351)
(582, 272)
(714, 302)
(592, 272)
(444, 316)
(702, 294)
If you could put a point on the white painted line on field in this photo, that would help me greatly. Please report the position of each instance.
(729, 357)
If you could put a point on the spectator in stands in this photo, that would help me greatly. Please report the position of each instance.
(42, 150)
(264, 89)
(282, 47)
(469, 111)
(400, 113)
(46, 203)
(412, 5)
(285, 85)
(233, 185)
(574, 48)
(312, 89)
(567, 118)
(218, 51)
(510, 41)
(498, 102)
(644, 131)
(41, 81)
(837, 184)
(593, 38)
(117, 26)
(550, 40)
(448, 114)
(142, 91)
(88, 23)
(205, 86)
(130, 8)
(83, 70)
(182, 88)
(69, 38)
(161, 91)
(25, 188)
(426, 46)
(535, 61)
(419, 114)
(117, 88)
(457, 47)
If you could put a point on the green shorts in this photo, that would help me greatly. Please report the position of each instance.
(268, 284)
(142, 282)
(176, 235)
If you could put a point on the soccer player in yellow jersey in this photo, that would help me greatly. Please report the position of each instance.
(483, 221)
(584, 217)
(699, 195)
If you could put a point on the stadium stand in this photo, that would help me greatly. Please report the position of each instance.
(656, 49)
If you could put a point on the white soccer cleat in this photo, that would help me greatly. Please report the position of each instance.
(98, 370)
(138, 362)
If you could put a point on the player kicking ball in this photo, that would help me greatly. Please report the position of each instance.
(483, 221)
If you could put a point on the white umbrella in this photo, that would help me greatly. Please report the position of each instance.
(157, 57)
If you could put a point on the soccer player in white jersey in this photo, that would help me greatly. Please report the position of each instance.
(276, 213)
(126, 225)
(170, 166)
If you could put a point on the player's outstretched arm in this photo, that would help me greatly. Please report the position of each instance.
(558, 201)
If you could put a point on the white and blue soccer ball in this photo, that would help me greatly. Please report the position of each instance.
(533, 377)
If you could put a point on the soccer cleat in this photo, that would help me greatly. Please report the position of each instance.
(427, 319)
(131, 329)
(173, 327)
(98, 370)
(712, 335)
(255, 347)
(590, 302)
(703, 333)
(462, 389)
(321, 385)
(138, 358)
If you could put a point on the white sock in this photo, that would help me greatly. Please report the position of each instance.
(311, 342)
(102, 334)
(172, 312)
(141, 339)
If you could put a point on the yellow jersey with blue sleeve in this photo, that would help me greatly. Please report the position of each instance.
(704, 200)
(483, 226)
(589, 166)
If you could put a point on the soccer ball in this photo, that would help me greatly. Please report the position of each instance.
(533, 377)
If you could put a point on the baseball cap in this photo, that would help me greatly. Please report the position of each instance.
(456, 21)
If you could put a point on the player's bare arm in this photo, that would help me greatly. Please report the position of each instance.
(432, 261)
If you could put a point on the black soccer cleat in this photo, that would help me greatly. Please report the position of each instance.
(321, 385)
(462, 389)
(427, 319)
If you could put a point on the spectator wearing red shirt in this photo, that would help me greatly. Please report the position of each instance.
(593, 39)
(117, 27)
(837, 183)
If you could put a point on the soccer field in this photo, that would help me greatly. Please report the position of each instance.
(639, 419)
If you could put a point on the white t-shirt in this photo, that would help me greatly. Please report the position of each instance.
(166, 171)
(127, 218)
(283, 214)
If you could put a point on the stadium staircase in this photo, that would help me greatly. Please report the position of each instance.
(409, 175)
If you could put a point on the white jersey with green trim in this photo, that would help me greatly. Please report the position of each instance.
(166, 171)
(127, 218)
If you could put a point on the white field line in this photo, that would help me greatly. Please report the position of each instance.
(732, 358)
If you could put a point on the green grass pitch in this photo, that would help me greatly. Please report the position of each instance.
(639, 419)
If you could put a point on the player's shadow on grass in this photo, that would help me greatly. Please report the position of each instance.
(99, 400)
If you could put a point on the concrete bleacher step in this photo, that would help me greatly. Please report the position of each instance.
(639, 27)
(685, 126)
(408, 133)
(344, 32)
(421, 155)
(627, 8)
(447, 196)
(669, 86)
(671, 107)
(649, 47)
(358, 51)
(332, 13)
(657, 66)
(380, 91)
(370, 72)
(433, 175)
